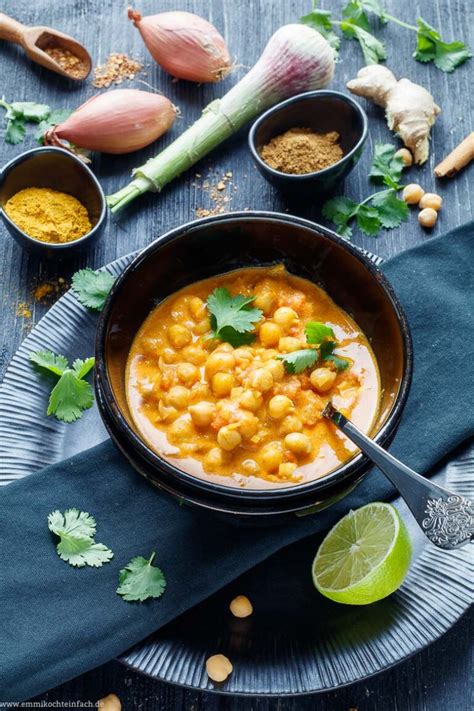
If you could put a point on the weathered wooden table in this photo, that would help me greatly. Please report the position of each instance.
(439, 677)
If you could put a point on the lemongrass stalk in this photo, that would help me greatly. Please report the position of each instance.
(296, 59)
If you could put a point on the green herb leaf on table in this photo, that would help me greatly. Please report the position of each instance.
(297, 361)
(140, 580)
(55, 117)
(447, 56)
(233, 318)
(15, 132)
(376, 8)
(92, 288)
(76, 546)
(341, 210)
(368, 220)
(391, 210)
(387, 168)
(354, 13)
(72, 394)
(320, 20)
(29, 111)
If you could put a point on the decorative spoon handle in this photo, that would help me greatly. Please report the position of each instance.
(446, 518)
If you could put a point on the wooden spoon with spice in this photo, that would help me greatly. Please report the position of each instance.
(52, 49)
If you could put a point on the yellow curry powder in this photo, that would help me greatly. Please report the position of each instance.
(301, 150)
(48, 215)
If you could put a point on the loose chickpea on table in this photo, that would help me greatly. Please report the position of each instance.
(236, 412)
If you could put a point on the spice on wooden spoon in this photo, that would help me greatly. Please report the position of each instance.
(52, 49)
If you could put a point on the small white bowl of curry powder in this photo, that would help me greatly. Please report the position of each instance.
(51, 201)
(309, 143)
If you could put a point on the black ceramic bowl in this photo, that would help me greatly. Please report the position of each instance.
(219, 244)
(57, 169)
(322, 111)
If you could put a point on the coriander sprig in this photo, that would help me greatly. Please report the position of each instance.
(71, 394)
(92, 288)
(233, 318)
(355, 24)
(323, 338)
(140, 580)
(76, 530)
(380, 209)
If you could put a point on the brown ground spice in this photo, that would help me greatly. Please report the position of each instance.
(301, 150)
(67, 60)
(117, 68)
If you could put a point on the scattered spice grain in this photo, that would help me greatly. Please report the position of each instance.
(23, 310)
(217, 189)
(117, 68)
(302, 150)
(67, 60)
(49, 291)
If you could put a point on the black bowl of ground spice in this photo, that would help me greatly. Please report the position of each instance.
(307, 144)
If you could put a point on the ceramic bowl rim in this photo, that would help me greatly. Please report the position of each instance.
(55, 245)
(319, 93)
(337, 475)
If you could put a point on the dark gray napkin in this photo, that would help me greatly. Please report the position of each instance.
(57, 622)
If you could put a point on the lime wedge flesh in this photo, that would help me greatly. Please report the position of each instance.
(364, 557)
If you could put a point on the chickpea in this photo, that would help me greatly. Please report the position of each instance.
(218, 667)
(431, 200)
(268, 353)
(202, 326)
(167, 414)
(277, 369)
(195, 355)
(412, 193)
(248, 425)
(298, 443)
(265, 301)
(179, 336)
(178, 396)
(241, 606)
(269, 334)
(279, 406)
(427, 217)
(287, 344)
(222, 384)
(271, 457)
(179, 308)
(111, 702)
(235, 393)
(262, 380)
(285, 316)
(405, 155)
(215, 459)
(197, 308)
(250, 467)
(228, 437)
(286, 470)
(242, 354)
(220, 362)
(188, 373)
(251, 400)
(202, 413)
(322, 379)
(181, 428)
(168, 355)
(291, 423)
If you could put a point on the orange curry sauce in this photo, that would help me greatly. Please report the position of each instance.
(235, 415)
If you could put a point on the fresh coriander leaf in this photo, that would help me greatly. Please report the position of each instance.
(55, 117)
(386, 166)
(376, 8)
(368, 220)
(354, 13)
(372, 49)
(320, 20)
(317, 332)
(48, 360)
(340, 210)
(69, 397)
(232, 317)
(297, 361)
(447, 56)
(92, 287)
(82, 367)
(15, 131)
(30, 111)
(391, 210)
(77, 546)
(340, 363)
(140, 580)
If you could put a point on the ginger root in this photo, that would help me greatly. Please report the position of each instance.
(410, 109)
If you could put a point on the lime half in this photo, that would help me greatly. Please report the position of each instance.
(364, 557)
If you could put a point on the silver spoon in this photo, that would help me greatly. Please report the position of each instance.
(446, 518)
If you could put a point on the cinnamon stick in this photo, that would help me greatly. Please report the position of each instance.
(457, 159)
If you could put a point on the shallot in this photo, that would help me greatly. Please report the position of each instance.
(118, 121)
(185, 45)
(296, 59)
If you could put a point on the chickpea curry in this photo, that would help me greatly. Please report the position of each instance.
(227, 379)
